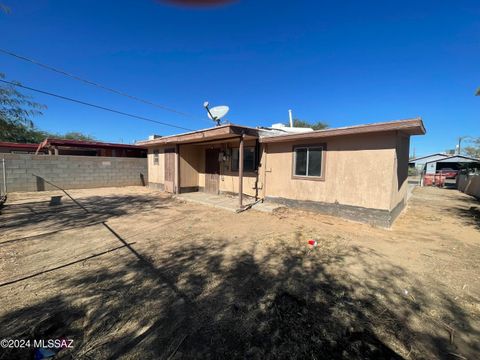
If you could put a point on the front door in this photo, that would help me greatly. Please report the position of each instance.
(170, 170)
(212, 170)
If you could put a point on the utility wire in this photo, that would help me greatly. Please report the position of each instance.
(78, 78)
(94, 106)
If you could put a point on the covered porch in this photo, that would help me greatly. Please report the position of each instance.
(218, 161)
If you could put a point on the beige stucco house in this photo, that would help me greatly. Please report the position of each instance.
(357, 172)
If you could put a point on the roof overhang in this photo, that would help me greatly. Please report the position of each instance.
(409, 127)
(223, 132)
(86, 144)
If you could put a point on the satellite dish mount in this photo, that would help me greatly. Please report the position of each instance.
(216, 113)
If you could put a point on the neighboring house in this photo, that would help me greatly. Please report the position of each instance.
(90, 148)
(358, 172)
(18, 148)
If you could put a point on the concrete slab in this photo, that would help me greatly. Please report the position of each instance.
(225, 202)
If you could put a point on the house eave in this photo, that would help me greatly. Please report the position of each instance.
(409, 127)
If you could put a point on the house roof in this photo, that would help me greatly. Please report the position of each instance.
(457, 158)
(18, 146)
(428, 156)
(86, 144)
(409, 126)
(228, 131)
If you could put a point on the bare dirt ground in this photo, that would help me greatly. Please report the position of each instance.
(132, 273)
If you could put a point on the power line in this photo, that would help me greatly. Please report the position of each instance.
(89, 82)
(93, 105)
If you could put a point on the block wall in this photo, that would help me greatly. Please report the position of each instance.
(25, 172)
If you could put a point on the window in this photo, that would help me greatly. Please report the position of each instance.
(155, 157)
(308, 161)
(248, 159)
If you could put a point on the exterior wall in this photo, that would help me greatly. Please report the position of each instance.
(156, 173)
(192, 169)
(190, 165)
(400, 171)
(469, 184)
(358, 172)
(27, 172)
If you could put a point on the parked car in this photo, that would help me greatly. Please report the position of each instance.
(448, 173)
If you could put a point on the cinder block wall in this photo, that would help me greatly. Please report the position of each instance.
(469, 184)
(31, 172)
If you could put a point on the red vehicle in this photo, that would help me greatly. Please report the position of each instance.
(448, 173)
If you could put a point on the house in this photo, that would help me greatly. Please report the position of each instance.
(18, 148)
(357, 172)
(90, 148)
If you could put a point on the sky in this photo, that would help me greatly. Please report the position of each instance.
(344, 63)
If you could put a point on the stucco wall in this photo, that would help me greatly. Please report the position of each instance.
(400, 170)
(358, 171)
(26, 172)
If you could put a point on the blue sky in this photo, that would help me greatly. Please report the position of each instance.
(345, 63)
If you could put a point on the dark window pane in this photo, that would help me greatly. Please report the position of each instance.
(155, 157)
(314, 161)
(235, 159)
(301, 162)
(249, 159)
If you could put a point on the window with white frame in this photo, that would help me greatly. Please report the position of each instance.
(155, 157)
(308, 161)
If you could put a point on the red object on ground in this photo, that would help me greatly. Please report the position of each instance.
(312, 242)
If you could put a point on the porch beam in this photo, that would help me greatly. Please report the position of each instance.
(240, 172)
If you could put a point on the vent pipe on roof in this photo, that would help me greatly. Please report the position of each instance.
(290, 117)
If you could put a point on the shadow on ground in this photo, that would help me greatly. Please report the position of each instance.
(67, 213)
(198, 305)
(198, 302)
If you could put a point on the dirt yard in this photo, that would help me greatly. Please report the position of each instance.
(132, 273)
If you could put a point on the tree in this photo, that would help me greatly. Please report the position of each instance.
(16, 113)
(305, 124)
(474, 149)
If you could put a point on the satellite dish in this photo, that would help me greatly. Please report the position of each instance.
(218, 112)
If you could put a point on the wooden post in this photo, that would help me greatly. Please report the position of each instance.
(240, 172)
(176, 185)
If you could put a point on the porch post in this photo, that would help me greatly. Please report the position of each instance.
(176, 181)
(240, 172)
